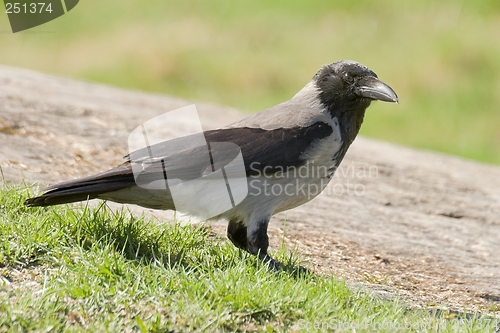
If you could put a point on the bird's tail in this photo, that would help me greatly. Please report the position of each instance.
(85, 188)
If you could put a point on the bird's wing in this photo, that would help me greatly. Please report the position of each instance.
(265, 149)
(262, 150)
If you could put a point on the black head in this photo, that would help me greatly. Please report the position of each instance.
(348, 86)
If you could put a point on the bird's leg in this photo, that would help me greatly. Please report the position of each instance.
(258, 243)
(237, 234)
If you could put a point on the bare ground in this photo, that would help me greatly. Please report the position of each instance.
(406, 223)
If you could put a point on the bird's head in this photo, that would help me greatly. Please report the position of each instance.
(346, 85)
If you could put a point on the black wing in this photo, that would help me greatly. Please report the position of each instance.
(271, 150)
(262, 150)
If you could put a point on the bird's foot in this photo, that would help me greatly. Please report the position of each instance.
(273, 264)
(277, 266)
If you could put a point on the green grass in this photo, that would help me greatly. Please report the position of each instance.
(440, 56)
(71, 270)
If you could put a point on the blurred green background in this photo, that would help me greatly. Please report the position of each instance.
(442, 57)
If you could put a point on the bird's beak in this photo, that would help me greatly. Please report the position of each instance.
(373, 88)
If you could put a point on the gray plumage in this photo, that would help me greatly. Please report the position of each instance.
(311, 132)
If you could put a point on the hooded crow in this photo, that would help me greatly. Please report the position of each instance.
(290, 153)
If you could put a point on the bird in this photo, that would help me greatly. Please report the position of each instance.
(290, 153)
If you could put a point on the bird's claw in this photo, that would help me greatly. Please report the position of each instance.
(277, 266)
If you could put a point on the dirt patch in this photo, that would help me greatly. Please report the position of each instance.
(404, 222)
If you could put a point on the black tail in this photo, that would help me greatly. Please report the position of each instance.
(85, 188)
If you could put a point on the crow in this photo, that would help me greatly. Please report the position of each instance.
(289, 154)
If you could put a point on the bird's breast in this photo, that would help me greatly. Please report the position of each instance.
(323, 153)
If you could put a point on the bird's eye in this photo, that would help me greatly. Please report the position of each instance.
(348, 77)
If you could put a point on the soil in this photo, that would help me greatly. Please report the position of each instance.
(405, 223)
